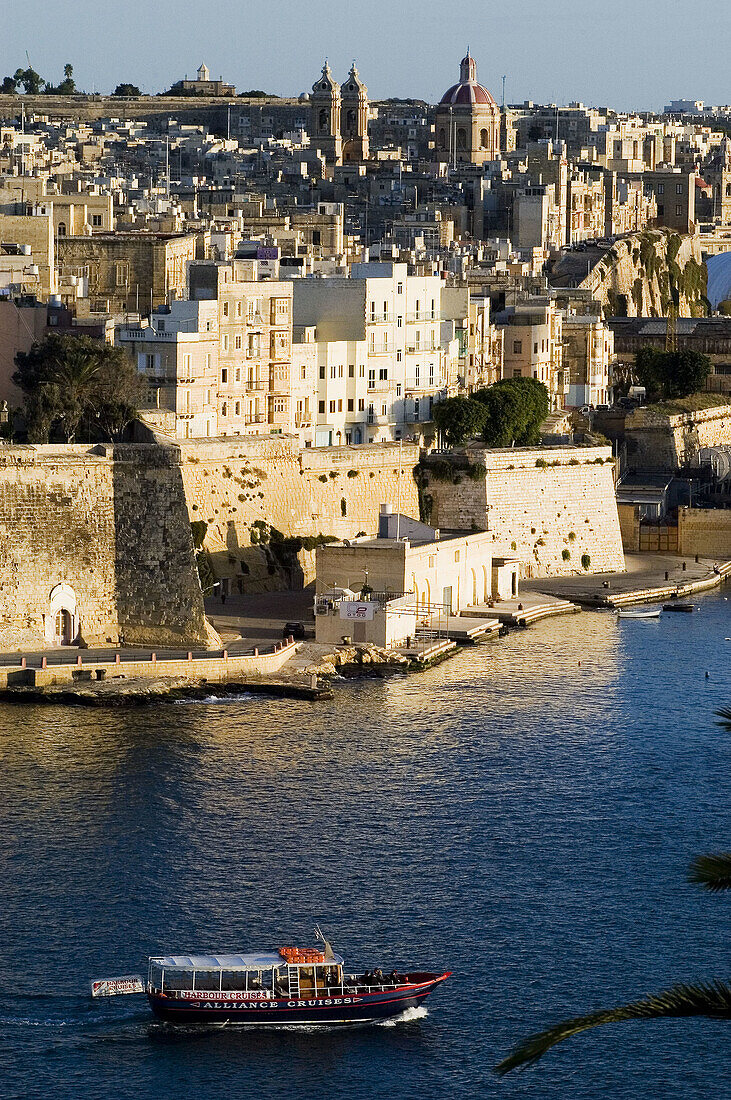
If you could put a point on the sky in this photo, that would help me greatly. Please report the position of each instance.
(627, 54)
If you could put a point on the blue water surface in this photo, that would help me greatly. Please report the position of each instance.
(523, 815)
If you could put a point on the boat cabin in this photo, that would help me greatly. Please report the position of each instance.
(292, 972)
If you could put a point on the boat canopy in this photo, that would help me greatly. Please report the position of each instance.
(264, 961)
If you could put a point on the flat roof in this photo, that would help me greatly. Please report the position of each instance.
(264, 961)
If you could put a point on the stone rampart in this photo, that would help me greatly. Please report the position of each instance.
(242, 488)
(643, 274)
(662, 441)
(554, 508)
(94, 543)
(705, 531)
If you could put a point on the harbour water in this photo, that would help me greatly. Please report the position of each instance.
(523, 814)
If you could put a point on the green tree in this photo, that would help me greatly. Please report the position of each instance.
(670, 374)
(711, 1000)
(9, 86)
(31, 81)
(70, 382)
(127, 90)
(516, 408)
(458, 419)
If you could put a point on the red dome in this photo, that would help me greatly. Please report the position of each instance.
(466, 93)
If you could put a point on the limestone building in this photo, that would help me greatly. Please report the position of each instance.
(467, 120)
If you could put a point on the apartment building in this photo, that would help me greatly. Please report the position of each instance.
(533, 346)
(176, 352)
(588, 353)
(254, 346)
(480, 342)
(387, 325)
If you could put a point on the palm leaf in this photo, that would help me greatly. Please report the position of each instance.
(712, 871)
(724, 713)
(710, 1000)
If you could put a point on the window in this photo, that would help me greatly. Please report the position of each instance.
(340, 371)
(238, 374)
(398, 389)
(224, 409)
(431, 374)
(661, 188)
(432, 560)
(678, 189)
(361, 371)
(416, 409)
(398, 356)
(351, 370)
(399, 288)
(304, 373)
(322, 372)
(517, 347)
(416, 375)
(332, 372)
(383, 410)
(332, 406)
(321, 406)
(238, 343)
(373, 311)
(238, 309)
(535, 348)
(383, 374)
(456, 555)
(350, 404)
(120, 274)
(237, 408)
(225, 309)
(516, 373)
(678, 210)
(371, 378)
(361, 405)
(96, 220)
(340, 406)
(225, 343)
(224, 376)
(399, 321)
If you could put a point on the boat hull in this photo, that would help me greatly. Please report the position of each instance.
(351, 1008)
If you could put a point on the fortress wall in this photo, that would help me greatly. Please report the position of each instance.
(234, 484)
(658, 441)
(705, 531)
(109, 523)
(537, 512)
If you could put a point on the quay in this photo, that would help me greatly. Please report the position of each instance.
(650, 578)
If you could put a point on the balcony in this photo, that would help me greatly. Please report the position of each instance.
(253, 386)
(258, 418)
(413, 318)
(380, 319)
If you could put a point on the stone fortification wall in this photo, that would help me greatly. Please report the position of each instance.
(705, 531)
(553, 508)
(643, 274)
(661, 442)
(111, 527)
(242, 488)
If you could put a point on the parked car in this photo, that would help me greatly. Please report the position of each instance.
(294, 630)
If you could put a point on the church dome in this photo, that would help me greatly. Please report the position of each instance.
(467, 92)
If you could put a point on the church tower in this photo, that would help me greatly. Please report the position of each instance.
(354, 117)
(325, 117)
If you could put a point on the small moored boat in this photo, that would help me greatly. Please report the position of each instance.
(652, 613)
(291, 986)
(678, 605)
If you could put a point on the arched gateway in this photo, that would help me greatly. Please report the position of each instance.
(61, 619)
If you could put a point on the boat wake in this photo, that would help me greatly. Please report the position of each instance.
(405, 1017)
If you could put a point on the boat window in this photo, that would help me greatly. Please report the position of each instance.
(234, 979)
(207, 980)
(178, 979)
(307, 974)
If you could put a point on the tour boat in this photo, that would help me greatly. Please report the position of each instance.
(291, 986)
(652, 613)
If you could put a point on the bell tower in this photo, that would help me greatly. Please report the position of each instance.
(354, 117)
(325, 116)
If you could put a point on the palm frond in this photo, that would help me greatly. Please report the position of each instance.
(712, 1000)
(712, 871)
(724, 713)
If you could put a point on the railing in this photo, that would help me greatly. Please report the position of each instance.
(258, 419)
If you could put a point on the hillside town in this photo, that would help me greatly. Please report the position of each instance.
(390, 286)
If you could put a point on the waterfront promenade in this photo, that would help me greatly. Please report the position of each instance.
(649, 577)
